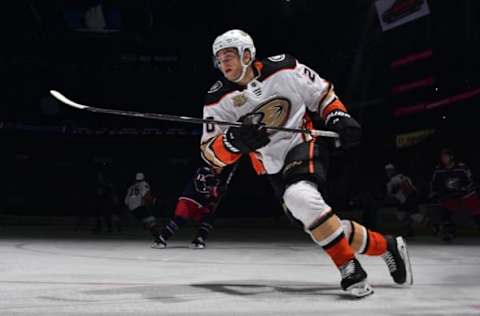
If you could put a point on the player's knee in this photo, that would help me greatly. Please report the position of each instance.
(305, 202)
(356, 234)
(347, 227)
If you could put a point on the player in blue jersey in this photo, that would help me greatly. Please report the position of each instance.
(198, 203)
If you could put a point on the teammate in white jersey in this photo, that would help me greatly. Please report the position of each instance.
(138, 199)
(280, 91)
(138, 194)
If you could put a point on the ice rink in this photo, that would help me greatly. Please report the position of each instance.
(248, 271)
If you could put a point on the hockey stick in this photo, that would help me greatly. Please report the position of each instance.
(225, 185)
(184, 119)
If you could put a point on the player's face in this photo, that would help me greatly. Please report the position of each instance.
(229, 63)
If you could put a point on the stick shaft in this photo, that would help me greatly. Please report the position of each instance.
(181, 119)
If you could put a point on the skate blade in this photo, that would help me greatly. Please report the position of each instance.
(197, 246)
(402, 248)
(158, 246)
(361, 289)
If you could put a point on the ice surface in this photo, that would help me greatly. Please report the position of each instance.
(249, 271)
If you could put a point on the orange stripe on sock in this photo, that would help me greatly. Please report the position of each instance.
(341, 252)
(377, 245)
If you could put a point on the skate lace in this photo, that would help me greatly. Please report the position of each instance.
(347, 269)
(390, 261)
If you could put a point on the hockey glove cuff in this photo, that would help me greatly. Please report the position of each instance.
(346, 126)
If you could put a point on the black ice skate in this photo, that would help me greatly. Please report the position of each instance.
(354, 279)
(398, 261)
(198, 243)
(159, 243)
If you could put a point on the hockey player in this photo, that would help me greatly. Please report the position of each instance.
(280, 91)
(452, 185)
(198, 202)
(403, 193)
(138, 200)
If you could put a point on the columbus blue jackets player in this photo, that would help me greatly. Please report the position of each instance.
(198, 202)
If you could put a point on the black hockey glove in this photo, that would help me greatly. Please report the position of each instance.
(347, 128)
(246, 138)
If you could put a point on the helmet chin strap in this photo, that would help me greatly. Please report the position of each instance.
(244, 70)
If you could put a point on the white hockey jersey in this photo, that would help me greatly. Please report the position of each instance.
(136, 194)
(280, 96)
(399, 188)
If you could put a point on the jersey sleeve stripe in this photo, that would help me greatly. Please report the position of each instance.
(222, 153)
(335, 105)
(215, 153)
(209, 155)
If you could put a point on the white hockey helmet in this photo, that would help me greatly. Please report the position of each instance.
(389, 166)
(236, 39)
(139, 176)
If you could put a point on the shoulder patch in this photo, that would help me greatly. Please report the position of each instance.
(216, 86)
(273, 64)
(277, 58)
(218, 90)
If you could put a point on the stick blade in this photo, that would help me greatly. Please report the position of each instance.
(60, 97)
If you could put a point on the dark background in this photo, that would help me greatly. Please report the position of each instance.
(156, 56)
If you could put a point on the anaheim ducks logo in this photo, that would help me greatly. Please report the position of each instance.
(273, 113)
